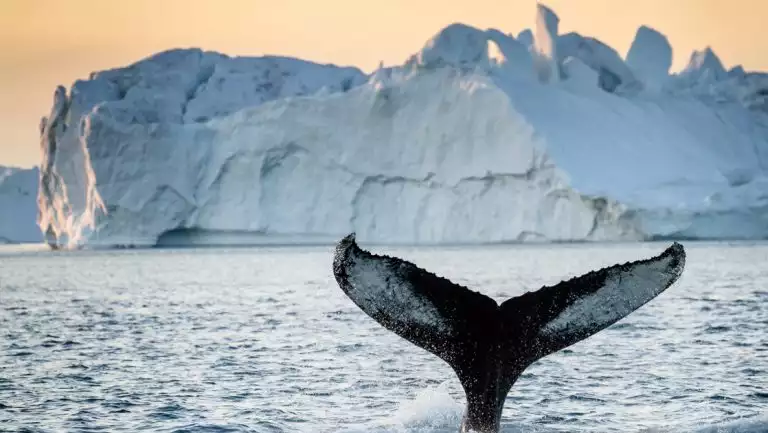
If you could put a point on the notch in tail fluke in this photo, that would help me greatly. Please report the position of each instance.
(489, 345)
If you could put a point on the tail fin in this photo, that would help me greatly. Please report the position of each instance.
(570, 311)
(433, 313)
(425, 309)
(489, 345)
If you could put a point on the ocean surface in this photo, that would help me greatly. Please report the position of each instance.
(263, 340)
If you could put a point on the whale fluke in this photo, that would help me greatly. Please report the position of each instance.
(490, 345)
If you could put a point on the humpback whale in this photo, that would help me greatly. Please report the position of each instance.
(490, 345)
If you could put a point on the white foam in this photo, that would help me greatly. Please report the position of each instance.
(757, 424)
(430, 408)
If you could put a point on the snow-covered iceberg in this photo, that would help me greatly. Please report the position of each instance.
(18, 205)
(478, 137)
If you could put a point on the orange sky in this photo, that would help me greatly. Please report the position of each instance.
(48, 42)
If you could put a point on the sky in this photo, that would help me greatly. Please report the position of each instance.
(44, 43)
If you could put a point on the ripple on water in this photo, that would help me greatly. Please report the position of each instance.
(262, 340)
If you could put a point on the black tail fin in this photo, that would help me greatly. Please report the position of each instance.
(429, 311)
(570, 311)
(490, 345)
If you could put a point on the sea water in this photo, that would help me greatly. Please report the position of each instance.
(263, 340)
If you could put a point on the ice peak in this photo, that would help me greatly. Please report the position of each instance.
(545, 44)
(704, 65)
(650, 57)
(457, 45)
(525, 37)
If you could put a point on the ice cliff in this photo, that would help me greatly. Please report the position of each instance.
(478, 137)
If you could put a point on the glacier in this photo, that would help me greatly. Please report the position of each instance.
(478, 137)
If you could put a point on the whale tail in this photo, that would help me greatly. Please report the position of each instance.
(489, 345)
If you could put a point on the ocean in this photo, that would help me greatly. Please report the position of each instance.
(263, 340)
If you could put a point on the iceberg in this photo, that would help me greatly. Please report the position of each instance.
(18, 205)
(611, 69)
(478, 137)
(649, 58)
(545, 45)
(704, 65)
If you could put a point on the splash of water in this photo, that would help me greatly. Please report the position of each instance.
(432, 408)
